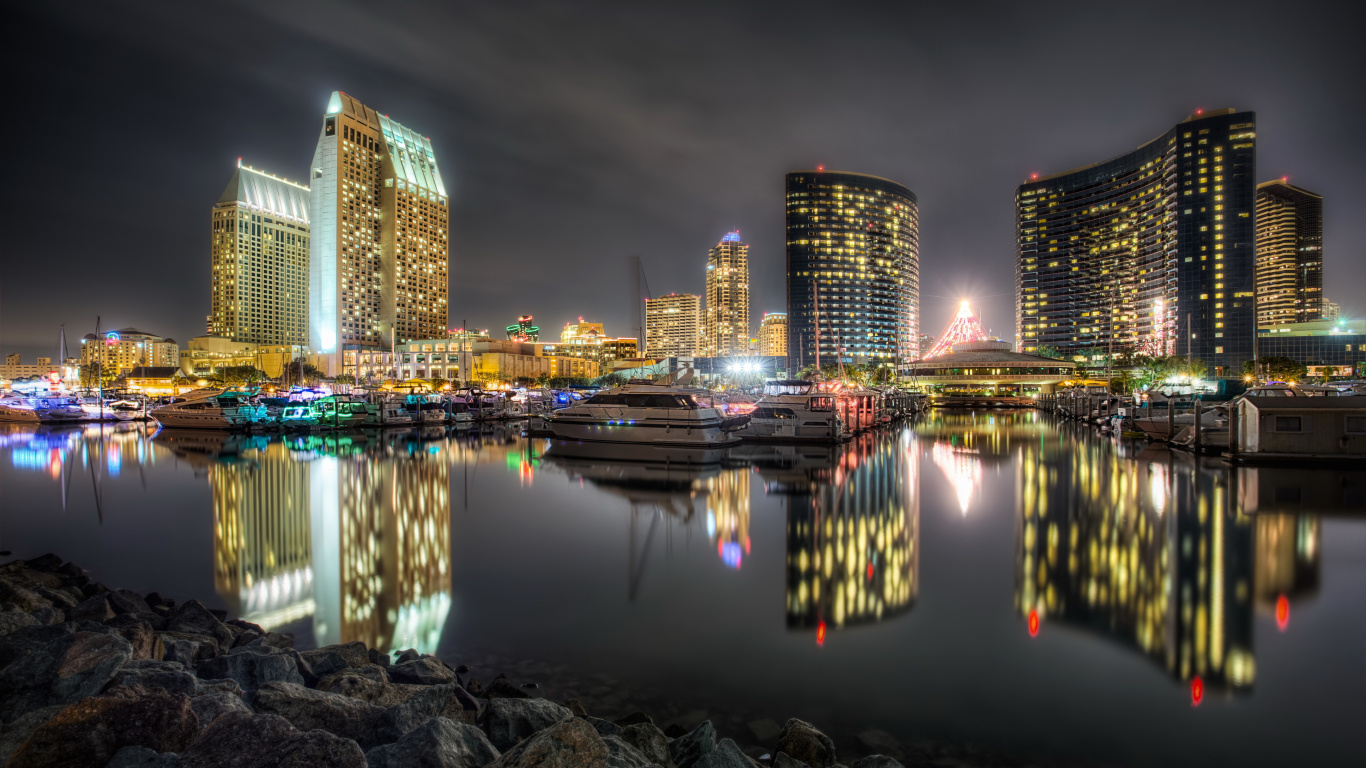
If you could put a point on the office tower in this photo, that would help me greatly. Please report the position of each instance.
(259, 287)
(726, 324)
(773, 334)
(1289, 254)
(672, 325)
(1150, 252)
(1331, 310)
(853, 269)
(380, 251)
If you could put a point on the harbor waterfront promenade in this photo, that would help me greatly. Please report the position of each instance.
(889, 565)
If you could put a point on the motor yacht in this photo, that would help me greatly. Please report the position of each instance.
(211, 409)
(386, 413)
(797, 411)
(646, 414)
(40, 409)
(331, 412)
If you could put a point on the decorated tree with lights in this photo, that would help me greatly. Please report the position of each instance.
(964, 327)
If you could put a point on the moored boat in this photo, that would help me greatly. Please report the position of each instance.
(211, 409)
(647, 414)
(796, 411)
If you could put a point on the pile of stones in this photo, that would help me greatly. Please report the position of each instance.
(91, 676)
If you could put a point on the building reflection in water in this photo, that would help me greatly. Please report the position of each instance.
(1149, 552)
(728, 515)
(852, 534)
(1287, 563)
(352, 532)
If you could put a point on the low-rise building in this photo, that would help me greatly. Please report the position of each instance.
(14, 368)
(119, 352)
(1326, 346)
(205, 355)
(157, 380)
(979, 367)
(487, 360)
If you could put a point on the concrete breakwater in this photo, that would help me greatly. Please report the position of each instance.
(93, 676)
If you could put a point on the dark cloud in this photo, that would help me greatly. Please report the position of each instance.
(574, 134)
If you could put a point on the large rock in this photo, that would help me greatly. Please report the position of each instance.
(508, 721)
(95, 608)
(650, 741)
(603, 727)
(193, 618)
(22, 596)
(43, 666)
(13, 735)
(438, 743)
(623, 755)
(141, 757)
(307, 709)
(209, 706)
(13, 621)
(876, 761)
(448, 701)
(726, 755)
(128, 601)
(140, 632)
(424, 671)
(372, 672)
(252, 668)
(801, 741)
(186, 647)
(696, 744)
(503, 688)
(239, 740)
(90, 732)
(168, 676)
(782, 760)
(367, 689)
(334, 658)
(571, 743)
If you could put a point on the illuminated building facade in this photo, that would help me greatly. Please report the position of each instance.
(1336, 343)
(1150, 553)
(773, 335)
(380, 250)
(853, 552)
(990, 366)
(1289, 254)
(204, 355)
(524, 330)
(673, 325)
(127, 348)
(726, 326)
(259, 288)
(853, 263)
(1150, 252)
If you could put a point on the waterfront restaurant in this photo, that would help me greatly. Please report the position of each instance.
(990, 368)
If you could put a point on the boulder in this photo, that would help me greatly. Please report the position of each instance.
(448, 701)
(167, 676)
(508, 721)
(307, 709)
(367, 689)
(11, 621)
(571, 743)
(379, 657)
(575, 706)
(208, 706)
(691, 747)
(352, 654)
(46, 562)
(726, 755)
(634, 718)
(503, 688)
(141, 757)
(140, 633)
(187, 648)
(649, 741)
(409, 655)
(603, 727)
(274, 640)
(91, 609)
(128, 601)
(157, 600)
(375, 673)
(193, 618)
(623, 755)
(13, 735)
(876, 761)
(782, 760)
(438, 743)
(424, 671)
(49, 615)
(22, 596)
(241, 740)
(91, 731)
(802, 742)
(252, 670)
(43, 666)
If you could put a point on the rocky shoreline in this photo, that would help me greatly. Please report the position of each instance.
(94, 676)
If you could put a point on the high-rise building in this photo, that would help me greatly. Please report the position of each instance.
(853, 269)
(726, 323)
(1289, 254)
(773, 335)
(1331, 310)
(1149, 252)
(259, 286)
(673, 325)
(380, 250)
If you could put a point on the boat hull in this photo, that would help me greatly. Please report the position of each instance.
(642, 434)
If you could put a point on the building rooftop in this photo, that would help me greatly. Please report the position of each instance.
(266, 193)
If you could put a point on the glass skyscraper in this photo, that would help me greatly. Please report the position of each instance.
(1289, 254)
(853, 269)
(380, 254)
(1151, 252)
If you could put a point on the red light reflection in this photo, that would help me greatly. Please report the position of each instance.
(1282, 613)
(1034, 623)
(1197, 691)
(820, 633)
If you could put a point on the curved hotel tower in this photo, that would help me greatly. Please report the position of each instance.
(853, 264)
(1150, 252)
(380, 251)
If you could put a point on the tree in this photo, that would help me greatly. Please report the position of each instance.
(300, 371)
(438, 383)
(1049, 352)
(239, 375)
(610, 380)
(541, 381)
(345, 380)
(1277, 368)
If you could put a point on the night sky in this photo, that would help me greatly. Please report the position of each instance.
(573, 135)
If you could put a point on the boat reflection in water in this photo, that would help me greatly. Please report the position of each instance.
(354, 534)
(853, 519)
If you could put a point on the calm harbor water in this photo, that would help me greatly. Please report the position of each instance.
(988, 577)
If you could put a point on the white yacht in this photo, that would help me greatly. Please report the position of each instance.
(40, 409)
(211, 409)
(383, 412)
(645, 414)
(796, 411)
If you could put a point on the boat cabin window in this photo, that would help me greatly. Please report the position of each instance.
(822, 404)
(1356, 425)
(655, 401)
(774, 413)
(1289, 424)
(787, 388)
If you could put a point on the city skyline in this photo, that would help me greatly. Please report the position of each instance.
(652, 189)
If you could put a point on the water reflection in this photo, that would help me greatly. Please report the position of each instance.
(351, 531)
